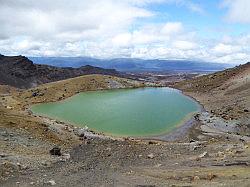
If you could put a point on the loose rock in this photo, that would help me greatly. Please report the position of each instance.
(151, 156)
(56, 151)
(51, 182)
(196, 178)
(205, 154)
(65, 157)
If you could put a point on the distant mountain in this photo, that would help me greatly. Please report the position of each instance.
(21, 72)
(132, 64)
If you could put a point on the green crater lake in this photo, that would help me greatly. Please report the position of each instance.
(124, 112)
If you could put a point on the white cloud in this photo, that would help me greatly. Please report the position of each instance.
(235, 58)
(52, 18)
(226, 49)
(145, 2)
(149, 34)
(195, 8)
(108, 29)
(231, 50)
(189, 4)
(184, 45)
(123, 39)
(238, 10)
(172, 28)
(144, 37)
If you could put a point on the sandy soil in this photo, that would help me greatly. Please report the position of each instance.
(213, 152)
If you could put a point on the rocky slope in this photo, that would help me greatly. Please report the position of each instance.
(227, 92)
(226, 97)
(211, 154)
(25, 139)
(19, 71)
(60, 90)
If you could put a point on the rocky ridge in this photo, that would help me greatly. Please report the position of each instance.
(20, 72)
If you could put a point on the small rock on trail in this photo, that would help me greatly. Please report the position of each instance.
(205, 154)
(51, 182)
(56, 151)
(151, 156)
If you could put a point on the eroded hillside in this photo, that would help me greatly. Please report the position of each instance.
(225, 94)
(20, 72)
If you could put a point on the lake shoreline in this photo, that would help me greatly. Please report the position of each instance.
(175, 133)
(207, 158)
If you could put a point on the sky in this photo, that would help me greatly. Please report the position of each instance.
(206, 30)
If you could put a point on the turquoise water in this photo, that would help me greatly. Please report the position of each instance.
(124, 112)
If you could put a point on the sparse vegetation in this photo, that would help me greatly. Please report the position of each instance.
(211, 153)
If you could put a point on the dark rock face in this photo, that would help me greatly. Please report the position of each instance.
(20, 72)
